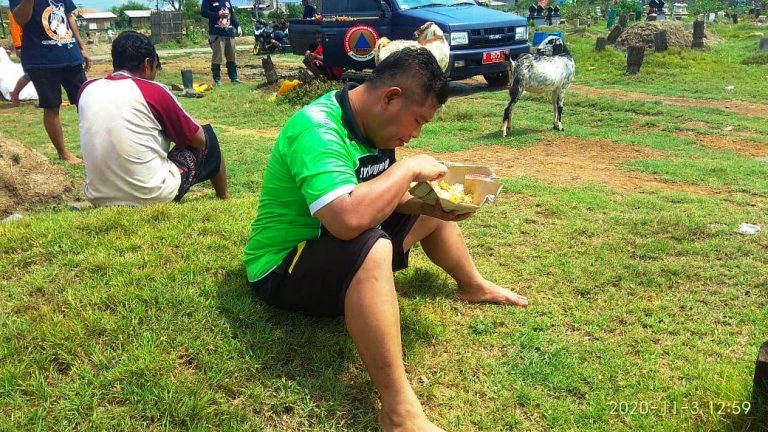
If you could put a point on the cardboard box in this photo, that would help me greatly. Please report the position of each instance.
(479, 181)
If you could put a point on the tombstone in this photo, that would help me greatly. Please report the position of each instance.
(764, 44)
(660, 14)
(548, 18)
(623, 21)
(760, 380)
(761, 19)
(532, 12)
(660, 41)
(535, 15)
(698, 34)
(735, 18)
(652, 10)
(270, 73)
(613, 36)
(601, 43)
(612, 14)
(635, 56)
(711, 17)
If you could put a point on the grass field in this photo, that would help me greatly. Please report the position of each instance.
(647, 307)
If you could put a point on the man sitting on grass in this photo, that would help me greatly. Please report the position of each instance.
(126, 123)
(335, 219)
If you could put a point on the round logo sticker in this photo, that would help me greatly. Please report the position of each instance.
(359, 42)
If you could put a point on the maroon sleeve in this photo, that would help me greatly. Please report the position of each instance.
(175, 123)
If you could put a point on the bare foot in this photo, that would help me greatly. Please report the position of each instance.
(71, 159)
(414, 421)
(15, 99)
(486, 291)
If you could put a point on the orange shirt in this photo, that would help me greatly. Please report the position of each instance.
(16, 31)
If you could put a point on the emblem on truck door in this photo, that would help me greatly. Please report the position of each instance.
(359, 41)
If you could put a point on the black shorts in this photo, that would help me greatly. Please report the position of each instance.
(315, 275)
(196, 165)
(48, 83)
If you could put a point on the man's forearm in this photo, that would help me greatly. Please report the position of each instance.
(75, 31)
(376, 199)
(410, 205)
(23, 12)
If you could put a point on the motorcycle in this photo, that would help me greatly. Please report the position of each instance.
(266, 39)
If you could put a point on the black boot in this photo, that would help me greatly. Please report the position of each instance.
(216, 72)
(232, 72)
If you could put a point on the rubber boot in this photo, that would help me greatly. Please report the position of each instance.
(216, 72)
(187, 80)
(232, 72)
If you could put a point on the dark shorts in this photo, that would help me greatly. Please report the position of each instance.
(315, 276)
(48, 83)
(196, 165)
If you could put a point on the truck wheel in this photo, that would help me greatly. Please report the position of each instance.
(499, 79)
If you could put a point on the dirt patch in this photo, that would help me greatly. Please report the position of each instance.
(749, 109)
(253, 133)
(28, 179)
(569, 161)
(249, 67)
(731, 144)
(677, 36)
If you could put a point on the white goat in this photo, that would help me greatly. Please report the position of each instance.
(428, 36)
(550, 70)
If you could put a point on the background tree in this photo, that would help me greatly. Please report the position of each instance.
(119, 11)
(696, 7)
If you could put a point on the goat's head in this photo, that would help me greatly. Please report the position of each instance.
(428, 32)
(552, 45)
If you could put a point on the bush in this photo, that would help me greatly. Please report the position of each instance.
(306, 93)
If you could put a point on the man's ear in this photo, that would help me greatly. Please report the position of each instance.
(392, 94)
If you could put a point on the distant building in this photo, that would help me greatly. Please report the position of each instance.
(96, 21)
(138, 18)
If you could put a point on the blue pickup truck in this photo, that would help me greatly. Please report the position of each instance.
(482, 40)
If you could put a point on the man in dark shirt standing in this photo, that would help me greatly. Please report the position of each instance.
(52, 55)
(222, 25)
(309, 10)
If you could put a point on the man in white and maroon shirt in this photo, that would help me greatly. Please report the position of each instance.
(127, 122)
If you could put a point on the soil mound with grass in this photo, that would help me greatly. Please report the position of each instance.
(677, 35)
(28, 179)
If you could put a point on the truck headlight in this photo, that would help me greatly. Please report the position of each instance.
(459, 38)
(521, 33)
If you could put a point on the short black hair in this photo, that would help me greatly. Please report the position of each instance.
(412, 68)
(130, 49)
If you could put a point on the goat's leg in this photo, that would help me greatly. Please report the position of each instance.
(515, 92)
(557, 102)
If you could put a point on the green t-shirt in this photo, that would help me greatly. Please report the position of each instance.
(319, 156)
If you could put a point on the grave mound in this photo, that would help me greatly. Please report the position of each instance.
(28, 179)
(677, 35)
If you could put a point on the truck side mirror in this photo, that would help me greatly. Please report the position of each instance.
(386, 9)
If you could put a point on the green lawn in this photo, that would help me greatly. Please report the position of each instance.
(647, 307)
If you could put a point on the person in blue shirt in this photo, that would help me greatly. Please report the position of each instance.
(222, 26)
(53, 55)
(309, 10)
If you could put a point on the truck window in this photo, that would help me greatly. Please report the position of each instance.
(346, 7)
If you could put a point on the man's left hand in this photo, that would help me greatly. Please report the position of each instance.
(239, 31)
(436, 211)
(87, 58)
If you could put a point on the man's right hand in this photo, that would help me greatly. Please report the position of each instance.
(426, 168)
